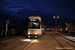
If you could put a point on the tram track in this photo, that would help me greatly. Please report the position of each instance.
(16, 45)
(27, 44)
(58, 42)
(63, 44)
(12, 45)
(66, 42)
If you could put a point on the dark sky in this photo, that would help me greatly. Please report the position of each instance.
(18, 10)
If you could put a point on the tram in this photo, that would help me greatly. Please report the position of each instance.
(35, 27)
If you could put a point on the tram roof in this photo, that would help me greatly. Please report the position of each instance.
(35, 17)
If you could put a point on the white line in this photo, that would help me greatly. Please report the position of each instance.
(11, 39)
(28, 45)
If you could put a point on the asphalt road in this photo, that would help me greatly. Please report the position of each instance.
(48, 41)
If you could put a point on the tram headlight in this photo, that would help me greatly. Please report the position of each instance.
(28, 33)
(35, 33)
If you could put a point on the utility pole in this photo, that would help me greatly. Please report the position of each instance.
(45, 25)
(7, 22)
(69, 29)
(0, 23)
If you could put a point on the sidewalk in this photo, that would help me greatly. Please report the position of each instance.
(5, 39)
(10, 37)
(67, 36)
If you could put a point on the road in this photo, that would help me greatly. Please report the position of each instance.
(48, 41)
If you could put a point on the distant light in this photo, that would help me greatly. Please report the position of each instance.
(66, 28)
(47, 28)
(60, 29)
(57, 16)
(58, 25)
(51, 27)
(53, 16)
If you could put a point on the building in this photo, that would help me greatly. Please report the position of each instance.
(22, 28)
(72, 25)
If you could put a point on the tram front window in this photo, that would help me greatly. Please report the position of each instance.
(34, 25)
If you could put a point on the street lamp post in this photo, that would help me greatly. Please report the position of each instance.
(7, 22)
(56, 20)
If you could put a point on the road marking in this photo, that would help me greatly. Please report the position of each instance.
(29, 45)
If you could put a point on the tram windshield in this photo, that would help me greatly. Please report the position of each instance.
(34, 25)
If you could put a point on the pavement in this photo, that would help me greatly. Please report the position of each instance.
(44, 42)
(67, 36)
(10, 37)
(7, 39)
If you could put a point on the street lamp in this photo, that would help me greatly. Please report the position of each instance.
(7, 22)
(56, 20)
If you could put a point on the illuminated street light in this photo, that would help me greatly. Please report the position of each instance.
(57, 16)
(53, 16)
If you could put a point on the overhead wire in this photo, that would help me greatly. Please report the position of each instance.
(54, 4)
(35, 6)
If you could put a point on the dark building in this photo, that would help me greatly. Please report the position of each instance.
(63, 26)
(22, 28)
(11, 31)
(72, 25)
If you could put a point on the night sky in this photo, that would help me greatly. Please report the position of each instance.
(18, 10)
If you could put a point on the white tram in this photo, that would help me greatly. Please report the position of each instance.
(35, 27)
